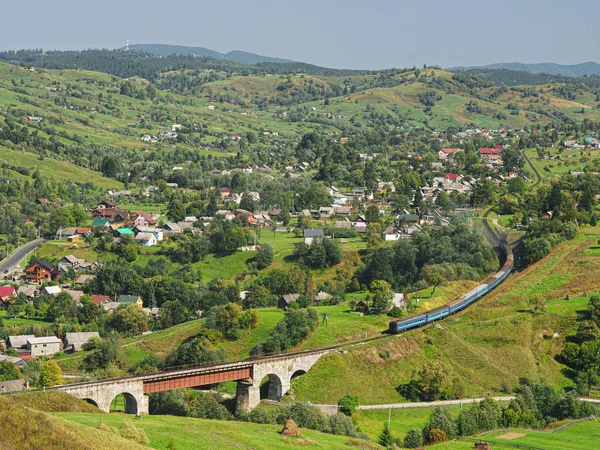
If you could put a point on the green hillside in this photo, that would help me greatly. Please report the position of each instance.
(489, 346)
(59, 170)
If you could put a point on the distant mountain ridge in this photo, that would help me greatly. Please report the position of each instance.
(575, 70)
(238, 56)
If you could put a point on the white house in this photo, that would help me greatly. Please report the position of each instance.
(391, 233)
(146, 239)
(43, 346)
(51, 290)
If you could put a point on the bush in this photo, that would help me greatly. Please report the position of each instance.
(396, 312)
(436, 436)
(150, 364)
(348, 404)
(342, 425)
(272, 416)
(308, 416)
(188, 403)
(413, 439)
(441, 419)
(384, 354)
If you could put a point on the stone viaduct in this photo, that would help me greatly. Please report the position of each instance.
(249, 374)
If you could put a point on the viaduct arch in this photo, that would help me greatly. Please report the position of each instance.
(279, 369)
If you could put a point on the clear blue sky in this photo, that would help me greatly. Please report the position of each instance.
(334, 33)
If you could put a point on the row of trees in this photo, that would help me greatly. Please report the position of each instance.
(190, 403)
(535, 406)
(454, 251)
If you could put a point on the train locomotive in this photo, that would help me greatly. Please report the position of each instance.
(417, 320)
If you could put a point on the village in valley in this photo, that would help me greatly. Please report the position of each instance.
(226, 250)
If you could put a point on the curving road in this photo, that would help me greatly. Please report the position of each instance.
(19, 254)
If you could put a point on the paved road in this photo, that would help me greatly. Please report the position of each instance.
(464, 401)
(19, 254)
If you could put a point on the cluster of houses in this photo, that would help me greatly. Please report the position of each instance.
(167, 134)
(589, 143)
(29, 346)
(490, 155)
(501, 133)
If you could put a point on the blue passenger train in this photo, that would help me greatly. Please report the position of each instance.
(400, 325)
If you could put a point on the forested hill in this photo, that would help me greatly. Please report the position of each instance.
(238, 56)
(148, 66)
(524, 78)
(575, 70)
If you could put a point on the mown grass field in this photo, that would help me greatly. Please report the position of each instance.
(194, 434)
(401, 420)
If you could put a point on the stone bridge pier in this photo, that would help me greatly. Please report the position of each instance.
(102, 395)
(280, 373)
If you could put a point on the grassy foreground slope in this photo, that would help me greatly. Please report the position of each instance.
(490, 345)
(27, 424)
(194, 434)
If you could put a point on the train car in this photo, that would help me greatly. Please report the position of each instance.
(437, 313)
(397, 326)
(468, 298)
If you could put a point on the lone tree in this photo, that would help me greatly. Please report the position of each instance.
(382, 294)
(434, 277)
(348, 404)
(264, 256)
(385, 437)
(51, 374)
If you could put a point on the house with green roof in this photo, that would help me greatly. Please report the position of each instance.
(125, 232)
(100, 223)
(131, 299)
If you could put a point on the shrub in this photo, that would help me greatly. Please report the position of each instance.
(436, 436)
(342, 425)
(384, 354)
(444, 420)
(308, 416)
(413, 439)
(348, 404)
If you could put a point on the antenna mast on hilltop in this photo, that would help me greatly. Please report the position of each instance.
(127, 46)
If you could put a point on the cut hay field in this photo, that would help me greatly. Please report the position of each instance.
(186, 433)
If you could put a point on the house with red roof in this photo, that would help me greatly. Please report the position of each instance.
(6, 294)
(100, 299)
(143, 219)
(489, 154)
(451, 177)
